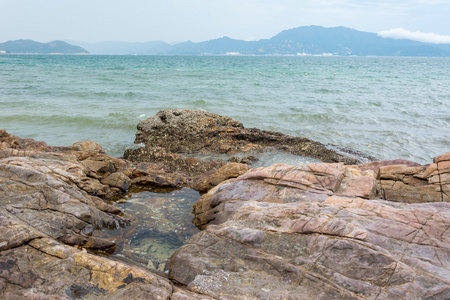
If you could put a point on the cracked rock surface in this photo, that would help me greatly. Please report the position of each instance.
(51, 201)
(321, 231)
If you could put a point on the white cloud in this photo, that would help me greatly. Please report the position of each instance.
(400, 33)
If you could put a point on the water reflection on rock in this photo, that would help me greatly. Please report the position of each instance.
(161, 221)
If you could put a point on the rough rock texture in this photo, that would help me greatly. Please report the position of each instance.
(213, 178)
(378, 230)
(50, 205)
(317, 231)
(405, 183)
(282, 183)
(199, 132)
(172, 162)
(42, 268)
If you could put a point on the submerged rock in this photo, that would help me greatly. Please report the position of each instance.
(174, 132)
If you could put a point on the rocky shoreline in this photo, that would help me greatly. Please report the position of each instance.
(348, 228)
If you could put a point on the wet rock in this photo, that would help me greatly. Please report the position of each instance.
(199, 132)
(150, 174)
(31, 270)
(172, 162)
(48, 200)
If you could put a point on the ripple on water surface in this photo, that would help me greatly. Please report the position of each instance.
(161, 222)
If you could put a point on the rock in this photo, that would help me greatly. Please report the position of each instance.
(172, 162)
(344, 248)
(88, 146)
(117, 179)
(180, 294)
(183, 131)
(228, 171)
(148, 174)
(305, 232)
(283, 183)
(32, 268)
(405, 183)
(315, 231)
(50, 214)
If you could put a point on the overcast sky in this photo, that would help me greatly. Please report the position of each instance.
(200, 20)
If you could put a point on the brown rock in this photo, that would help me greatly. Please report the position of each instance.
(184, 131)
(88, 146)
(429, 183)
(228, 171)
(47, 199)
(117, 179)
(31, 270)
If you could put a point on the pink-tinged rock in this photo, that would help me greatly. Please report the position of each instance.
(441, 158)
(358, 183)
(263, 238)
(376, 165)
(347, 248)
(282, 183)
(315, 178)
(428, 183)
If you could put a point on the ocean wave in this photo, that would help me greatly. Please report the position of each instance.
(328, 91)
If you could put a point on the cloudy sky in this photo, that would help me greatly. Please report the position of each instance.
(200, 20)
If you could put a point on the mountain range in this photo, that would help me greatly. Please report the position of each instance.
(29, 46)
(306, 40)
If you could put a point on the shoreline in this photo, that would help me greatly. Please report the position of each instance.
(278, 231)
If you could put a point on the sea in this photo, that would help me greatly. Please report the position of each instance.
(387, 107)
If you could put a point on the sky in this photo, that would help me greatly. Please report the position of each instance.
(200, 20)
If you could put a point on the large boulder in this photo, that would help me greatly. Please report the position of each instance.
(319, 231)
(283, 183)
(184, 131)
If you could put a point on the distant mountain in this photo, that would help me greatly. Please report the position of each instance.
(29, 46)
(119, 48)
(306, 40)
(344, 41)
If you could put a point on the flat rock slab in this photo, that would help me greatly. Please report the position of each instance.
(318, 231)
(283, 183)
(343, 248)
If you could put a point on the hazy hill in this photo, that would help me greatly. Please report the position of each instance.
(153, 47)
(29, 46)
(310, 40)
(345, 41)
(316, 40)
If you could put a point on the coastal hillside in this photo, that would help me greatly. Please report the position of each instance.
(306, 40)
(32, 47)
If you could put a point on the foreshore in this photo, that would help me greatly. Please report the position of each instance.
(350, 227)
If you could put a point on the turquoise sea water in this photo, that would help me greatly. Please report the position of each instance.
(387, 107)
